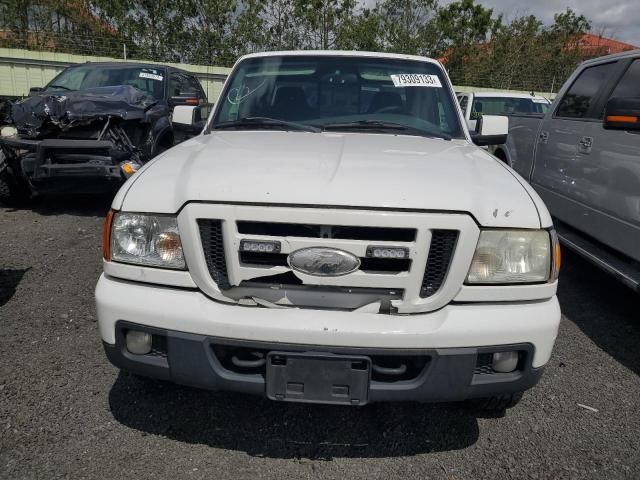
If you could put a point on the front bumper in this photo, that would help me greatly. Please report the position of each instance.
(450, 374)
(93, 167)
(452, 339)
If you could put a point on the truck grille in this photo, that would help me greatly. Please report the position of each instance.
(443, 243)
(344, 232)
(213, 244)
(421, 280)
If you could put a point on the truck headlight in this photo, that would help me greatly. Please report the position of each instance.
(514, 256)
(151, 240)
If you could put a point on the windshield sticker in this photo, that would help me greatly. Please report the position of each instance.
(415, 80)
(239, 94)
(539, 100)
(151, 76)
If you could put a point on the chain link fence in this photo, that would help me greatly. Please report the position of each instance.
(54, 51)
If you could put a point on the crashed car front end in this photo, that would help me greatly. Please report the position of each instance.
(81, 141)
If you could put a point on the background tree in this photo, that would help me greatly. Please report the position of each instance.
(280, 20)
(321, 22)
(362, 31)
(561, 43)
(479, 48)
(463, 28)
(408, 26)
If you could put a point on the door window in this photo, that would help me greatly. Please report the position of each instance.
(194, 85)
(579, 98)
(629, 85)
(464, 101)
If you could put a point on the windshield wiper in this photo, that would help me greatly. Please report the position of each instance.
(60, 86)
(382, 125)
(248, 122)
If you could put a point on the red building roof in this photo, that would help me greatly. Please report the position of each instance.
(596, 45)
(590, 46)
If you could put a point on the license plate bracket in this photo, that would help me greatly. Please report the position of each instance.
(318, 378)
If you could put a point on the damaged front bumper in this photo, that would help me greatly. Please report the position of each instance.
(51, 165)
(437, 356)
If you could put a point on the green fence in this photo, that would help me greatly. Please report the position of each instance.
(23, 69)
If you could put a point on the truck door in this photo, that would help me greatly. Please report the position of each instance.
(557, 174)
(608, 167)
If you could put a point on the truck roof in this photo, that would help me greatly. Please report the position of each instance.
(340, 53)
(126, 64)
(614, 56)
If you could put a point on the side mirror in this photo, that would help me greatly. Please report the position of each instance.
(188, 118)
(33, 90)
(491, 130)
(185, 115)
(622, 114)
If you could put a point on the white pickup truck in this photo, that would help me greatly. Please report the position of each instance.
(476, 104)
(334, 235)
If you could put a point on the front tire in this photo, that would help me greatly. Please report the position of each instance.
(12, 192)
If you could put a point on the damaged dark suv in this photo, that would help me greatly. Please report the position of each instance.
(94, 125)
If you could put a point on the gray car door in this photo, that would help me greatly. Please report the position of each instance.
(607, 174)
(557, 174)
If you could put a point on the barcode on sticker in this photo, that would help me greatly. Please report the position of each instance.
(415, 80)
(151, 76)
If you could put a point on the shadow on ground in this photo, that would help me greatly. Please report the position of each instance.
(79, 205)
(604, 309)
(9, 280)
(264, 428)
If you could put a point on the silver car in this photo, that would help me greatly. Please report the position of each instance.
(584, 162)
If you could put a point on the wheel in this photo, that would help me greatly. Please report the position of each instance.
(499, 403)
(12, 191)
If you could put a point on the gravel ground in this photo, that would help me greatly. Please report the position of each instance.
(65, 412)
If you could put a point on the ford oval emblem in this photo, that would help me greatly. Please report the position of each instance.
(323, 261)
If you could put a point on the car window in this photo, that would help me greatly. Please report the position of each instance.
(329, 90)
(70, 79)
(149, 80)
(508, 106)
(464, 101)
(629, 85)
(194, 85)
(579, 98)
(180, 84)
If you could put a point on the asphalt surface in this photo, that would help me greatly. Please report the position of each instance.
(65, 412)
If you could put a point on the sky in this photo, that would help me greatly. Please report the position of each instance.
(617, 19)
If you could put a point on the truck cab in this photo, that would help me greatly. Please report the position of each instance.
(334, 235)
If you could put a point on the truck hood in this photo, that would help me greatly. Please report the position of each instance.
(332, 169)
(42, 113)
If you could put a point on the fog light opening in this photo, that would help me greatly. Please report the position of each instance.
(504, 362)
(138, 343)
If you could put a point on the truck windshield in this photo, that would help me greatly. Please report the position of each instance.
(339, 93)
(508, 106)
(149, 80)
